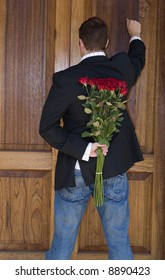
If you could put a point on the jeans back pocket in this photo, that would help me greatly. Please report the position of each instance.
(116, 188)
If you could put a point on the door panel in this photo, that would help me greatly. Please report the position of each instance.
(25, 226)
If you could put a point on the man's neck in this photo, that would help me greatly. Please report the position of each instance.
(93, 53)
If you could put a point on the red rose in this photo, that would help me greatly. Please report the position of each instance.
(101, 84)
(92, 82)
(84, 80)
(112, 84)
(123, 91)
(123, 87)
(122, 84)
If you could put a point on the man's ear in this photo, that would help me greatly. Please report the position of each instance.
(107, 44)
(81, 44)
(82, 47)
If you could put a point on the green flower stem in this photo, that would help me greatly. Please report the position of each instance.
(99, 186)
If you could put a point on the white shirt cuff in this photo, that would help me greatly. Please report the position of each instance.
(135, 38)
(87, 152)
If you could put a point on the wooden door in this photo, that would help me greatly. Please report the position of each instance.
(38, 37)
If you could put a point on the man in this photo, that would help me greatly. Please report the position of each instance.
(76, 162)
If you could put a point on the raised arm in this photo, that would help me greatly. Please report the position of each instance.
(137, 48)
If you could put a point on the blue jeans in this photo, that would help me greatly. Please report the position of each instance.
(70, 204)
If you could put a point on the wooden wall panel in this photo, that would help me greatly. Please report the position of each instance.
(158, 231)
(10, 255)
(145, 89)
(25, 160)
(160, 126)
(76, 20)
(2, 63)
(91, 238)
(141, 213)
(23, 223)
(81, 10)
(62, 34)
(114, 13)
(26, 71)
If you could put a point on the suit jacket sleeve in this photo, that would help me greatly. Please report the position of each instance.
(50, 127)
(136, 54)
(131, 63)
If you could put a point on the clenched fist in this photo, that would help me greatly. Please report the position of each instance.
(133, 27)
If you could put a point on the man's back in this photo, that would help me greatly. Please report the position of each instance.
(63, 99)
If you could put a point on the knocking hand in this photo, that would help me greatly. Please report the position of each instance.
(133, 27)
(96, 145)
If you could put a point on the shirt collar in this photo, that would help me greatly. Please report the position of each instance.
(99, 53)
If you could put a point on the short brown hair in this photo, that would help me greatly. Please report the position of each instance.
(93, 33)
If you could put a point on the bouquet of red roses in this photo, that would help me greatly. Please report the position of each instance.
(105, 103)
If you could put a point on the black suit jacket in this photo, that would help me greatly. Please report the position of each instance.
(62, 102)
